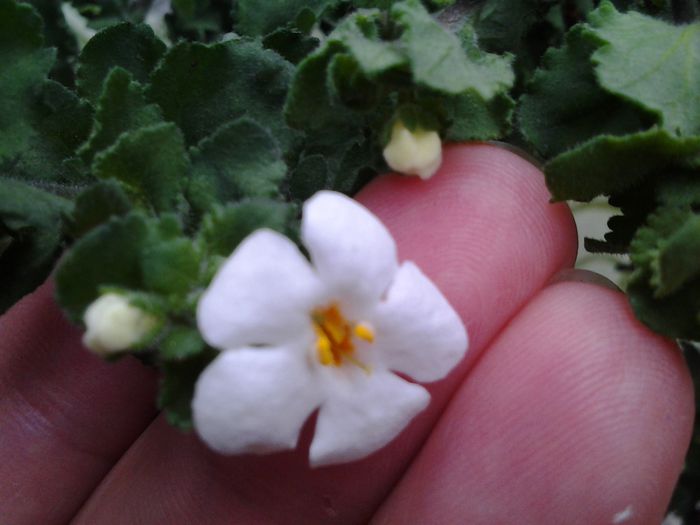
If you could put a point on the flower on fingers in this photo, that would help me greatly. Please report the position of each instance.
(330, 335)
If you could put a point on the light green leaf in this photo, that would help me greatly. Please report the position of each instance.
(438, 61)
(651, 63)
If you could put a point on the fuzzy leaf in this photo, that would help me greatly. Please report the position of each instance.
(256, 18)
(651, 63)
(225, 227)
(108, 255)
(438, 61)
(609, 164)
(32, 221)
(201, 87)
(131, 47)
(182, 342)
(96, 205)
(121, 107)
(151, 163)
(472, 119)
(564, 106)
(239, 160)
(170, 266)
(177, 387)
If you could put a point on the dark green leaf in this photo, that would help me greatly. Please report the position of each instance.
(30, 223)
(292, 44)
(225, 227)
(239, 160)
(201, 87)
(610, 164)
(108, 255)
(97, 204)
(121, 107)
(131, 47)
(151, 163)
(254, 18)
(472, 119)
(310, 175)
(565, 107)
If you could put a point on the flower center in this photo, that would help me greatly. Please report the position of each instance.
(334, 337)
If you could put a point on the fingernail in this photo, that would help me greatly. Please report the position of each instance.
(577, 275)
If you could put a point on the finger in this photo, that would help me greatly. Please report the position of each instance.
(66, 415)
(484, 231)
(576, 414)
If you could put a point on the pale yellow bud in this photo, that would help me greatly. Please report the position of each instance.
(114, 325)
(416, 152)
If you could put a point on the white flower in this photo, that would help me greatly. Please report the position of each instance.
(114, 325)
(416, 152)
(298, 337)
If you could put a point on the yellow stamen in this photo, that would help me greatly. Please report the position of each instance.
(334, 337)
(364, 331)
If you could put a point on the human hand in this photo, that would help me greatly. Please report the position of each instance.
(565, 410)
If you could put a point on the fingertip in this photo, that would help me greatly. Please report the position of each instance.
(575, 414)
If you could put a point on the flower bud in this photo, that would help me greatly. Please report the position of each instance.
(113, 324)
(416, 152)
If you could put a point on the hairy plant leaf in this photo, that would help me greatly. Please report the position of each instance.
(608, 164)
(151, 163)
(651, 63)
(121, 107)
(241, 159)
(201, 87)
(96, 205)
(564, 105)
(254, 18)
(131, 47)
(31, 220)
(109, 255)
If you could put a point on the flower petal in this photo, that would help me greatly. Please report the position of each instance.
(417, 332)
(362, 413)
(352, 251)
(263, 294)
(254, 400)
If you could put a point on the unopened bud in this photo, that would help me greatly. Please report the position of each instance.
(113, 324)
(416, 152)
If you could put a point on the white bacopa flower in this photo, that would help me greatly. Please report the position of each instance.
(416, 152)
(329, 335)
(113, 324)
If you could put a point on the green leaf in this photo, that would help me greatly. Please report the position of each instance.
(651, 63)
(177, 387)
(309, 175)
(609, 164)
(472, 119)
(255, 18)
(41, 122)
(665, 288)
(668, 249)
(292, 44)
(201, 87)
(108, 255)
(96, 205)
(131, 47)
(564, 106)
(181, 342)
(121, 107)
(225, 227)
(30, 220)
(239, 160)
(438, 61)
(170, 266)
(151, 163)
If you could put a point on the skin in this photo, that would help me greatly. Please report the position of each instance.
(565, 410)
